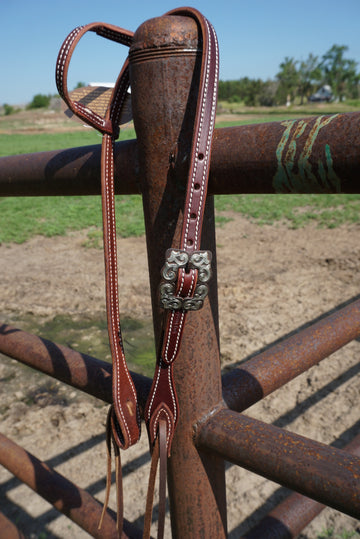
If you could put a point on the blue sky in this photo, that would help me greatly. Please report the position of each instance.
(254, 36)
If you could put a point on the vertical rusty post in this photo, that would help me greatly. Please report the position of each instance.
(165, 69)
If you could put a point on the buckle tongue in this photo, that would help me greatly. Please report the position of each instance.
(176, 259)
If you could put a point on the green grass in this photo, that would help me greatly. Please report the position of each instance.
(25, 217)
(22, 218)
(346, 534)
(307, 109)
(15, 144)
(294, 210)
(256, 119)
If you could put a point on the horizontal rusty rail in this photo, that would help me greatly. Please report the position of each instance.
(75, 171)
(81, 371)
(72, 501)
(291, 516)
(310, 155)
(264, 373)
(242, 386)
(323, 473)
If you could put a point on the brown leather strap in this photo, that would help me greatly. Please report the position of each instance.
(110, 441)
(125, 419)
(114, 33)
(159, 455)
(187, 269)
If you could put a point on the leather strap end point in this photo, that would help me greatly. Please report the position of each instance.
(162, 414)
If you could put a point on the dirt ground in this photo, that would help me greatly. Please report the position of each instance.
(271, 281)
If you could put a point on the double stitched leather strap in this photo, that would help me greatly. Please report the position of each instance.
(125, 419)
(186, 270)
(123, 423)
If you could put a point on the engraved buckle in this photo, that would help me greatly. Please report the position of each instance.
(176, 259)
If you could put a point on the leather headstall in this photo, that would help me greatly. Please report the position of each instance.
(186, 271)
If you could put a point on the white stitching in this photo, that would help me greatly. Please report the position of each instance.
(169, 425)
(60, 69)
(169, 334)
(112, 264)
(181, 323)
(154, 392)
(196, 158)
(114, 35)
(114, 299)
(89, 114)
(64, 51)
(211, 126)
(120, 96)
(116, 338)
(172, 392)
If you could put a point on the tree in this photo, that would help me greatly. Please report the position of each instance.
(8, 109)
(339, 72)
(39, 101)
(250, 91)
(267, 94)
(309, 73)
(288, 78)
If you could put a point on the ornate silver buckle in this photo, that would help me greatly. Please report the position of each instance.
(176, 259)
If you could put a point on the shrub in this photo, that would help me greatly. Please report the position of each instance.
(8, 109)
(39, 101)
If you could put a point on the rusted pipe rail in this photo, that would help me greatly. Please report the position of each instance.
(75, 171)
(242, 386)
(280, 363)
(291, 516)
(311, 155)
(325, 474)
(81, 371)
(66, 497)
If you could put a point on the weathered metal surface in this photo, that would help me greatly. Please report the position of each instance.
(291, 516)
(84, 372)
(326, 474)
(164, 112)
(66, 497)
(310, 155)
(266, 372)
(8, 530)
(75, 171)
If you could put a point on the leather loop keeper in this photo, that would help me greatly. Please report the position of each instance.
(161, 413)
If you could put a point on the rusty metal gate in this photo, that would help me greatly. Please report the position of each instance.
(314, 155)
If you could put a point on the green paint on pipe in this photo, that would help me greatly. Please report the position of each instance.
(303, 175)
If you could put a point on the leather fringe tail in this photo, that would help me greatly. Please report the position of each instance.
(118, 478)
(159, 454)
